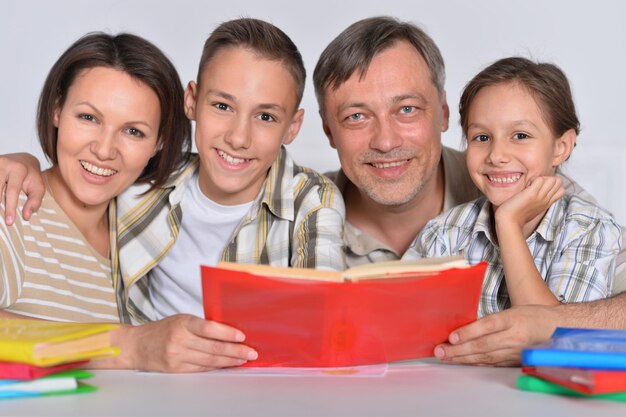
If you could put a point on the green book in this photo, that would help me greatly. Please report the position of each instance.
(61, 383)
(531, 383)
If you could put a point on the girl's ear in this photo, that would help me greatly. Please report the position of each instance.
(563, 147)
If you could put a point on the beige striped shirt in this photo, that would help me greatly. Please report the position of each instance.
(49, 271)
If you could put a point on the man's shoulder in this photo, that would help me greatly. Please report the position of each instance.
(459, 187)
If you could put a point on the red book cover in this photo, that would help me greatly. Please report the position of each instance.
(586, 381)
(25, 371)
(311, 323)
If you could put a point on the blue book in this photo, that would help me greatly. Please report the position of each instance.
(580, 348)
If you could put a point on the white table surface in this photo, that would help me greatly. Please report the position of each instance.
(421, 388)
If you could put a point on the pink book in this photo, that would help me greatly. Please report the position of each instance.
(24, 371)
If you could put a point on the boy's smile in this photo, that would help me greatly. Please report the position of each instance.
(232, 162)
(245, 109)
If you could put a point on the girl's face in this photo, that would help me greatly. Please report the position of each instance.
(509, 143)
(107, 133)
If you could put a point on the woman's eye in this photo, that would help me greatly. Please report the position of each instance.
(87, 117)
(135, 132)
(221, 106)
(266, 117)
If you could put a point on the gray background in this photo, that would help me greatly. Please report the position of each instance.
(587, 39)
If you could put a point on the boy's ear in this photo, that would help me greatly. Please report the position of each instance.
(191, 97)
(294, 126)
(563, 147)
(327, 131)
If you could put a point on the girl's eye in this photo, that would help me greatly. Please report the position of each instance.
(135, 132)
(520, 136)
(87, 117)
(481, 138)
(266, 117)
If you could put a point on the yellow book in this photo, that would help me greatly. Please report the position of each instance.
(47, 343)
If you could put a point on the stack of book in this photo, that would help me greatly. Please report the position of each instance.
(578, 362)
(39, 358)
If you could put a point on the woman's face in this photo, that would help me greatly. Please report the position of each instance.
(107, 132)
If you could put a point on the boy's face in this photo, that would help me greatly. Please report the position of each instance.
(509, 143)
(244, 108)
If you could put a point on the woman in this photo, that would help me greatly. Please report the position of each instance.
(110, 114)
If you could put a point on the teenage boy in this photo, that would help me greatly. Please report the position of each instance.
(243, 199)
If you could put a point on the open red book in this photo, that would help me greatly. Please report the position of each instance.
(374, 313)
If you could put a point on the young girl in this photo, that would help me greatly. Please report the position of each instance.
(110, 113)
(542, 246)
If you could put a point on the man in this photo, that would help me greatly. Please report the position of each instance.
(380, 89)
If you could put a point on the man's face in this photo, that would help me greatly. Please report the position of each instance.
(386, 126)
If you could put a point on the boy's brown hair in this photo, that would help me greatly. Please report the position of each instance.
(262, 38)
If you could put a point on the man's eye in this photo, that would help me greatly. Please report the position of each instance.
(356, 116)
(520, 136)
(407, 109)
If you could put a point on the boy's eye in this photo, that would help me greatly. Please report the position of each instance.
(135, 132)
(221, 106)
(520, 136)
(87, 117)
(266, 117)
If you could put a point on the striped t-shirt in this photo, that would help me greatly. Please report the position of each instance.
(48, 270)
